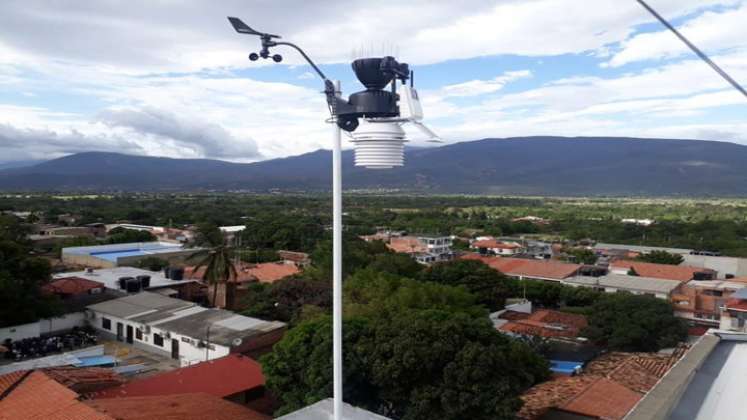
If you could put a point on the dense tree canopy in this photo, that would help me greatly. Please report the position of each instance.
(413, 350)
(488, 285)
(622, 321)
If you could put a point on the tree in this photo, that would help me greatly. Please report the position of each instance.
(21, 278)
(217, 261)
(582, 256)
(661, 257)
(284, 299)
(490, 287)
(622, 321)
(412, 350)
(153, 263)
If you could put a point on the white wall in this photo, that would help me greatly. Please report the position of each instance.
(19, 332)
(189, 352)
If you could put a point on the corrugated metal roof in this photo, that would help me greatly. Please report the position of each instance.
(323, 410)
(630, 283)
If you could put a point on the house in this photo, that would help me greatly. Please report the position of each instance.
(37, 395)
(611, 283)
(67, 287)
(324, 410)
(299, 259)
(734, 312)
(424, 249)
(139, 280)
(234, 378)
(609, 387)
(181, 329)
(702, 302)
(543, 323)
(639, 222)
(495, 247)
(726, 267)
(529, 268)
(661, 271)
(531, 219)
(127, 254)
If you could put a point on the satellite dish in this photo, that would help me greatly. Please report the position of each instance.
(237, 342)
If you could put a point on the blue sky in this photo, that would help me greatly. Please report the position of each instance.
(172, 79)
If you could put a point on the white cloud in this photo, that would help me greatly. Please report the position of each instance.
(481, 87)
(711, 31)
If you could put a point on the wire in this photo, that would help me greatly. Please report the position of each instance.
(695, 49)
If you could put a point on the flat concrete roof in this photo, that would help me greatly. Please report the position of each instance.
(141, 304)
(110, 277)
(225, 326)
(322, 410)
(625, 282)
(644, 249)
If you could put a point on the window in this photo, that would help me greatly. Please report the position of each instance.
(158, 340)
(139, 334)
(106, 323)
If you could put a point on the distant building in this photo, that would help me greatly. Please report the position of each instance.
(494, 247)
(661, 271)
(639, 222)
(182, 330)
(543, 323)
(531, 269)
(67, 287)
(734, 312)
(425, 249)
(107, 256)
(612, 283)
(532, 219)
(702, 302)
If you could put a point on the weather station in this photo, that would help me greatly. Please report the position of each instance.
(373, 119)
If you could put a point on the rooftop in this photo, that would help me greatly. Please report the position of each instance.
(640, 249)
(115, 251)
(493, 243)
(193, 406)
(546, 323)
(32, 395)
(110, 276)
(407, 245)
(71, 286)
(323, 410)
(625, 282)
(186, 318)
(659, 271)
(264, 272)
(531, 268)
(220, 377)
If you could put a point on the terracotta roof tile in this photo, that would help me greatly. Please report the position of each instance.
(737, 304)
(660, 271)
(85, 380)
(71, 286)
(407, 245)
(9, 379)
(39, 397)
(547, 323)
(604, 399)
(553, 393)
(196, 406)
(221, 378)
(521, 267)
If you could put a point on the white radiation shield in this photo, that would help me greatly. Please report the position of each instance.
(379, 145)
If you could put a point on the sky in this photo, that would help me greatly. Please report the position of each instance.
(172, 78)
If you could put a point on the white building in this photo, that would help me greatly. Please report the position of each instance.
(636, 285)
(110, 278)
(184, 330)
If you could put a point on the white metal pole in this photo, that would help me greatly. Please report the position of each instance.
(337, 264)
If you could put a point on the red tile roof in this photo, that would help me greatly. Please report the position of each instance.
(604, 399)
(196, 406)
(36, 396)
(659, 271)
(520, 267)
(71, 286)
(737, 304)
(221, 378)
(608, 387)
(547, 323)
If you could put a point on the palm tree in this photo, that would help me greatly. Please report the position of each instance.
(216, 259)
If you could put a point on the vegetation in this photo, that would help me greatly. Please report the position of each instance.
(661, 257)
(216, 261)
(622, 321)
(21, 277)
(122, 236)
(412, 351)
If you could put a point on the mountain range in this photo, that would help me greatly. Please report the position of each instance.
(578, 166)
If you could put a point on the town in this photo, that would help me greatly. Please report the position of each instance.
(188, 320)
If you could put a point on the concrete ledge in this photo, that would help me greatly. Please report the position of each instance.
(661, 400)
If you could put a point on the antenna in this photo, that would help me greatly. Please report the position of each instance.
(695, 49)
